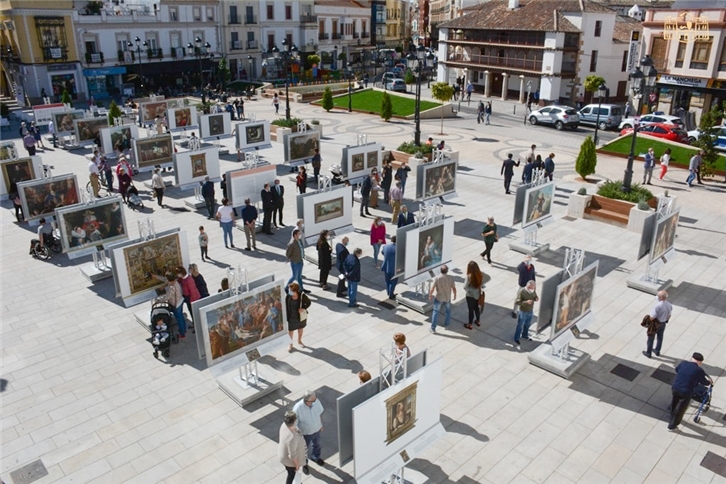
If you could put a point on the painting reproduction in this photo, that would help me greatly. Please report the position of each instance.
(92, 225)
(439, 180)
(430, 243)
(183, 117)
(216, 125)
(154, 151)
(199, 164)
(401, 413)
(63, 121)
(329, 210)
(17, 171)
(7, 150)
(538, 203)
(573, 299)
(255, 133)
(89, 129)
(121, 137)
(151, 258)
(665, 235)
(357, 162)
(243, 321)
(302, 146)
(372, 159)
(149, 111)
(42, 197)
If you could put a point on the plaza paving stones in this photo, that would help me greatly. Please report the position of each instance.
(82, 392)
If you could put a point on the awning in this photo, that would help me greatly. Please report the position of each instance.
(106, 71)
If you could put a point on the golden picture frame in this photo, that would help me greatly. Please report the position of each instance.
(401, 413)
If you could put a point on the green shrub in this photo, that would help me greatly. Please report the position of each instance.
(411, 148)
(386, 107)
(287, 123)
(587, 159)
(582, 191)
(643, 204)
(327, 102)
(65, 97)
(113, 112)
(614, 190)
(409, 78)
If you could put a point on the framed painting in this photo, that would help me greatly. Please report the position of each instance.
(149, 111)
(151, 258)
(401, 413)
(8, 150)
(538, 203)
(430, 243)
(42, 197)
(153, 151)
(300, 147)
(63, 121)
(89, 129)
(120, 136)
(329, 210)
(17, 171)
(439, 179)
(573, 300)
(665, 235)
(83, 226)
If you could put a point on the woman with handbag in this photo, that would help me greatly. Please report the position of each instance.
(474, 299)
(297, 304)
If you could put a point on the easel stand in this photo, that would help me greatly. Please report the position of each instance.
(649, 282)
(197, 201)
(99, 269)
(247, 384)
(529, 244)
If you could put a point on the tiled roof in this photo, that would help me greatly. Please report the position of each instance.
(532, 15)
(623, 27)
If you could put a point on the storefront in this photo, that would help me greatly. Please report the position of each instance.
(104, 83)
(678, 95)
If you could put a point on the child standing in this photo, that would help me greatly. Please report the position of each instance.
(203, 243)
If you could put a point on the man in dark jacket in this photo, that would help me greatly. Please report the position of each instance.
(341, 253)
(208, 195)
(526, 272)
(365, 195)
(549, 166)
(508, 172)
(405, 217)
(402, 174)
(278, 203)
(527, 171)
(352, 273)
(267, 208)
(249, 218)
(386, 178)
(689, 374)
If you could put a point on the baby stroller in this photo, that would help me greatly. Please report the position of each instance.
(702, 394)
(164, 329)
(133, 199)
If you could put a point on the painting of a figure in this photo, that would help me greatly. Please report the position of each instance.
(17, 171)
(146, 260)
(439, 180)
(665, 235)
(92, 225)
(430, 243)
(154, 151)
(41, 197)
(401, 413)
(538, 203)
(357, 162)
(199, 164)
(573, 299)
(302, 146)
(89, 129)
(63, 121)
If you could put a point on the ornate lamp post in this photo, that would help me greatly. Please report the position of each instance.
(601, 92)
(416, 64)
(139, 44)
(198, 53)
(640, 82)
(288, 52)
(349, 72)
(250, 61)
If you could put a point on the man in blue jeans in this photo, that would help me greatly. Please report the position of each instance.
(309, 411)
(295, 253)
(526, 297)
(660, 315)
(444, 287)
(351, 268)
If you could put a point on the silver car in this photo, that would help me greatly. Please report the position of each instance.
(558, 116)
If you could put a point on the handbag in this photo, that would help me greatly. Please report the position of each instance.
(482, 298)
(298, 477)
(304, 315)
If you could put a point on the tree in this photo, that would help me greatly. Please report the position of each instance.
(113, 112)
(223, 73)
(708, 128)
(327, 102)
(409, 78)
(442, 91)
(587, 159)
(313, 59)
(65, 97)
(386, 107)
(593, 82)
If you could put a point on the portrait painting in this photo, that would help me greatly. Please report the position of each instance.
(371, 159)
(439, 179)
(329, 210)
(149, 111)
(255, 133)
(665, 235)
(216, 125)
(357, 162)
(92, 225)
(17, 171)
(430, 244)
(199, 164)
(8, 151)
(175, 103)
(401, 413)
(182, 117)
(89, 129)
(154, 151)
(243, 321)
(146, 260)
(573, 299)
(41, 197)
(121, 136)
(538, 203)
(302, 146)
(63, 121)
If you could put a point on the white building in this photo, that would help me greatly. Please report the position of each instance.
(344, 30)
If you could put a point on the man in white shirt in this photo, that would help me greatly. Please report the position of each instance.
(93, 176)
(661, 314)
(309, 411)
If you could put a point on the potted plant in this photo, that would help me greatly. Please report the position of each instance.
(577, 203)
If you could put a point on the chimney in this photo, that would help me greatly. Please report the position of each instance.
(513, 4)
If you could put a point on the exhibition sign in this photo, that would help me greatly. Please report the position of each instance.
(120, 136)
(538, 204)
(573, 300)
(435, 179)
(428, 247)
(63, 121)
(182, 118)
(89, 129)
(248, 183)
(217, 125)
(41, 197)
(156, 150)
(300, 147)
(665, 235)
(253, 135)
(326, 210)
(243, 322)
(358, 161)
(43, 113)
(16, 171)
(90, 225)
(190, 167)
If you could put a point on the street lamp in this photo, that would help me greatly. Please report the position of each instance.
(461, 89)
(198, 53)
(287, 53)
(416, 64)
(138, 43)
(249, 61)
(350, 87)
(601, 91)
(640, 82)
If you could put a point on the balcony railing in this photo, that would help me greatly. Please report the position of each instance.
(250, 20)
(94, 57)
(569, 66)
(178, 52)
(365, 35)
(154, 54)
(252, 44)
(55, 53)
(234, 20)
(323, 36)
(501, 37)
(356, 35)
(336, 36)
(308, 19)
(235, 45)
(534, 65)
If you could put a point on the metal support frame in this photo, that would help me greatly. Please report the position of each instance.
(574, 261)
(193, 145)
(362, 139)
(439, 156)
(146, 229)
(198, 194)
(302, 126)
(237, 279)
(117, 122)
(99, 260)
(394, 362)
(325, 183)
(249, 373)
(252, 158)
(428, 213)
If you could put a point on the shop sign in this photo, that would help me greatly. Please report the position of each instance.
(633, 50)
(61, 67)
(686, 27)
(683, 81)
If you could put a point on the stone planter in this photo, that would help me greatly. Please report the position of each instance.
(576, 205)
(401, 156)
(316, 127)
(279, 133)
(636, 219)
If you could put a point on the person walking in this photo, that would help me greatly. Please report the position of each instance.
(694, 166)
(278, 203)
(402, 174)
(648, 166)
(526, 297)
(549, 166)
(389, 267)
(225, 215)
(104, 168)
(296, 305)
(268, 205)
(51, 131)
(189, 289)
(527, 171)
(316, 162)
(208, 195)
(36, 134)
(445, 288)
(302, 180)
(295, 254)
(487, 113)
(480, 112)
(365, 195)
(292, 449)
(526, 272)
(396, 197)
(469, 91)
(157, 183)
(325, 258)
(309, 411)
(249, 219)
(276, 103)
(508, 172)
(665, 159)
(378, 238)
(689, 375)
(203, 243)
(341, 253)
(489, 232)
(472, 288)
(405, 217)
(174, 297)
(93, 174)
(657, 320)
(386, 179)
(124, 181)
(351, 268)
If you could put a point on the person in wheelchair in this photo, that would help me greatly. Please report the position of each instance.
(45, 235)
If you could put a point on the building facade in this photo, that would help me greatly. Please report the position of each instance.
(344, 31)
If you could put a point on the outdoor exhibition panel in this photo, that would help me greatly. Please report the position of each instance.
(547, 291)
(190, 167)
(326, 210)
(182, 118)
(156, 150)
(83, 226)
(538, 204)
(665, 236)
(358, 161)
(573, 300)
(435, 179)
(213, 126)
(16, 171)
(150, 110)
(248, 183)
(41, 197)
(63, 121)
(43, 113)
(300, 147)
(401, 237)
(646, 235)
(253, 135)
(8, 150)
(88, 130)
(429, 246)
(118, 135)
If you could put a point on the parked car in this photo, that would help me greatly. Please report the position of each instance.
(397, 85)
(661, 130)
(650, 119)
(610, 115)
(720, 141)
(558, 116)
(397, 71)
(389, 76)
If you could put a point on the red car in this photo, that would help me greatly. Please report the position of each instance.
(670, 132)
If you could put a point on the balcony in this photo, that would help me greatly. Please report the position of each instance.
(252, 44)
(94, 57)
(235, 20)
(308, 19)
(356, 35)
(55, 53)
(323, 36)
(235, 45)
(337, 36)
(250, 20)
(365, 35)
(177, 52)
(154, 54)
(569, 67)
(513, 63)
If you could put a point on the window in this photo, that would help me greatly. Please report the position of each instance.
(174, 14)
(288, 40)
(659, 53)
(722, 61)
(197, 14)
(288, 12)
(52, 38)
(701, 52)
(233, 19)
(210, 14)
(90, 46)
(363, 26)
(270, 42)
(598, 27)
(681, 54)
(593, 61)
(321, 26)
(624, 65)
(270, 12)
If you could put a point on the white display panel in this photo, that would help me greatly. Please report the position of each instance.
(190, 167)
(152, 151)
(435, 179)
(538, 204)
(253, 135)
(327, 210)
(248, 183)
(89, 129)
(423, 255)
(665, 235)
(392, 422)
(358, 161)
(63, 120)
(150, 110)
(118, 134)
(14, 171)
(43, 113)
(300, 147)
(83, 226)
(573, 300)
(182, 118)
(213, 126)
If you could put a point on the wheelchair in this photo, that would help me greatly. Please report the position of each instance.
(45, 251)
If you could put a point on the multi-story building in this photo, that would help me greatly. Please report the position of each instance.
(344, 31)
(396, 14)
(688, 48)
(39, 50)
(547, 47)
(240, 37)
(292, 21)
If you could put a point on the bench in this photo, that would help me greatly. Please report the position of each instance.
(617, 211)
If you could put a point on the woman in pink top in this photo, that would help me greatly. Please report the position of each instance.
(378, 238)
(189, 289)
